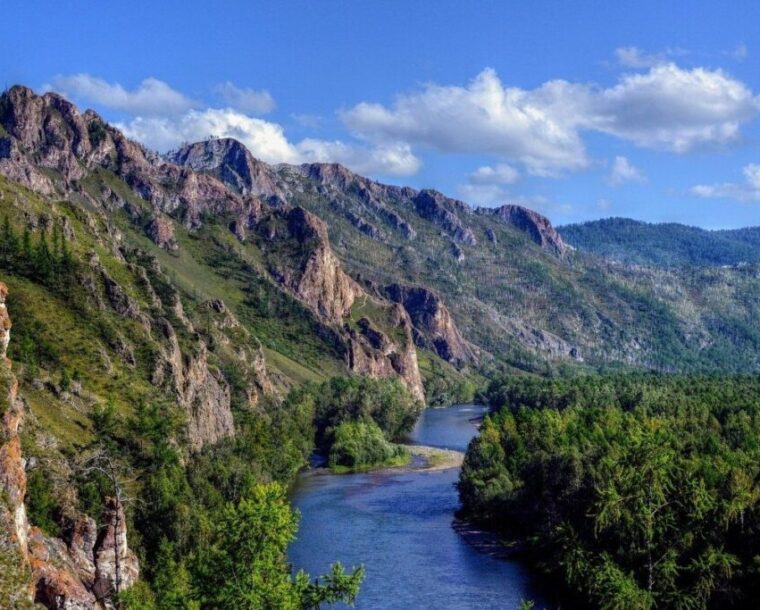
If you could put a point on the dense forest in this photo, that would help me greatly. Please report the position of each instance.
(663, 245)
(637, 491)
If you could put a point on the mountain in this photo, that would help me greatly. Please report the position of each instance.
(513, 288)
(664, 245)
(163, 307)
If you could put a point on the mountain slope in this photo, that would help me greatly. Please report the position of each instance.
(55, 150)
(511, 285)
(664, 245)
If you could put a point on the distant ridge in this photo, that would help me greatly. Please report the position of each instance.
(665, 244)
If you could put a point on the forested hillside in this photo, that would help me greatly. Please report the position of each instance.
(636, 491)
(664, 245)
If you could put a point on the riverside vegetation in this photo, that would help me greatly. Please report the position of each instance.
(637, 491)
(187, 329)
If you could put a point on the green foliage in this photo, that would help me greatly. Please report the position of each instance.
(42, 503)
(641, 491)
(387, 402)
(360, 444)
(244, 565)
(665, 245)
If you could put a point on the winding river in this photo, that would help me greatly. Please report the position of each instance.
(398, 524)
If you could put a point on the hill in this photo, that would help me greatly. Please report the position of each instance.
(664, 245)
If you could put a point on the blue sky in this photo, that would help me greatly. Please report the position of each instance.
(580, 110)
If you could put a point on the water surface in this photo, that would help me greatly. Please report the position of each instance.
(398, 525)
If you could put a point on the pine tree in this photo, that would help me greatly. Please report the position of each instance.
(8, 246)
(27, 253)
(43, 260)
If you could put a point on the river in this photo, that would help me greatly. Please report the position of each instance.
(398, 524)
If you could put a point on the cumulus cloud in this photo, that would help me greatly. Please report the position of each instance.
(483, 117)
(748, 191)
(623, 171)
(493, 195)
(673, 109)
(244, 99)
(267, 141)
(666, 107)
(484, 194)
(151, 97)
(499, 174)
(391, 158)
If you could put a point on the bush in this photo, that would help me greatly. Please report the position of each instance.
(359, 444)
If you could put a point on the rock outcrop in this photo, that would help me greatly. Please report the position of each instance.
(48, 133)
(434, 328)
(81, 573)
(373, 352)
(435, 207)
(200, 390)
(538, 227)
(161, 230)
(319, 281)
(316, 277)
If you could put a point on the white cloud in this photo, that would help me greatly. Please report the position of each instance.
(634, 57)
(484, 194)
(483, 117)
(246, 100)
(747, 191)
(392, 158)
(604, 204)
(673, 109)
(500, 174)
(666, 108)
(267, 141)
(624, 171)
(493, 195)
(152, 97)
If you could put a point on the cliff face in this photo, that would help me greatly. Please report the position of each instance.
(534, 224)
(203, 393)
(232, 164)
(313, 274)
(80, 573)
(434, 327)
(373, 352)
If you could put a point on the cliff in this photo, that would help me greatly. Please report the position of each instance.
(433, 325)
(534, 224)
(80, 573)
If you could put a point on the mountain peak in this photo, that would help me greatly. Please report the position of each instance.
(537, 226)
(229, 160)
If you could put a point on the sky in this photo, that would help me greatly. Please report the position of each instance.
(580, 110)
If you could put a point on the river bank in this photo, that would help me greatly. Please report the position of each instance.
(397, 523)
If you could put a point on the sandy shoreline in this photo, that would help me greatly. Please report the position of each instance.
(436, 458)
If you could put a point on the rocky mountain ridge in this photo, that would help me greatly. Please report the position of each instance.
(51, 148)
(505, 276)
